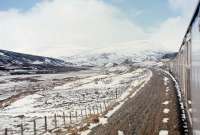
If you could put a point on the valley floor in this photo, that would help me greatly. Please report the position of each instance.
(127, 100)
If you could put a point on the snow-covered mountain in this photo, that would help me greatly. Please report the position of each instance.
(19, 63)
(126, 53)
(106, 58)
(130, 52)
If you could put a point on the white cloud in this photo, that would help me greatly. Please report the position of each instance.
(65, 27)
(170, 33)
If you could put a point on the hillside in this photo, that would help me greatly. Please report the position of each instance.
(19, 63)
(133, 52)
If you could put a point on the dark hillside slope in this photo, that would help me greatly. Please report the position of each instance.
(20, 63)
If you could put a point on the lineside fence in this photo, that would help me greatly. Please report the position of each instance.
(45, 124)
(66, 119)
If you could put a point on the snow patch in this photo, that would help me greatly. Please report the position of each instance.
(47, 60)
(2, 54)
(166, 111)
(189, 102)
(47, 133)
(37, 62)
(120, 132)
(167, 90)
(190, 110)
(22, 106)
(163, 132)
(86, 132)
(93, 125)
(103, 121)
(166, 102)
(110, 113)
(165, 81)
(165, 120)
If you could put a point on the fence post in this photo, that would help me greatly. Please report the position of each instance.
(6, 131)
(45, 123)
(64, 118)
(86, 112)
(93, 109)
(116, 93)
(76, 115)
(104, 102)
(34, 127)
(55, 120)
(81, 113)
(22, 129)
(70, 117)
(101, 108)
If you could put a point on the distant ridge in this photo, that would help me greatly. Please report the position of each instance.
(134, 52)
(20, 63)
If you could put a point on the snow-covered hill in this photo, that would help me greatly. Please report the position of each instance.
(126, 53)
(19, 63)
(129, 53)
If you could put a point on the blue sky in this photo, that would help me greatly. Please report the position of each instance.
(17, 4)
(151, 13)
(73, 26)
